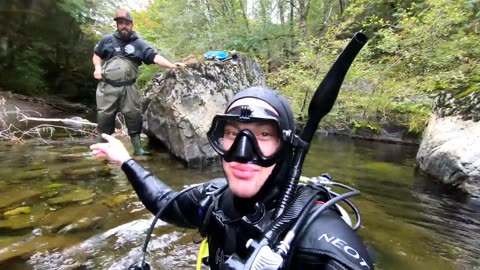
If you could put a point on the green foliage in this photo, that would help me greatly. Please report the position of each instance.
(372, 126)
(146, 74)
(27, 75)
(46, 46)
(474, 87)
(75, 8)
(416, 49)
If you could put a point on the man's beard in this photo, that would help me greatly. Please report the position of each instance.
(125, 33)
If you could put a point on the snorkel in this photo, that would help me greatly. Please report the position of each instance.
(263, 256)
(321, 104)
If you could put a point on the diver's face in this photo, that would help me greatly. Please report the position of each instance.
(125, 27)
(246, 179)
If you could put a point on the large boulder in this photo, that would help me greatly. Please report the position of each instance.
(181, 103)
(450, 150)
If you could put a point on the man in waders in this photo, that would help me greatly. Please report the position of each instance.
(116, 59)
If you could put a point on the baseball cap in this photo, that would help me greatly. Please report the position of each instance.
(123, 14)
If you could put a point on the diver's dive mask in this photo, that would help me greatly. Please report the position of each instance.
(247, 134)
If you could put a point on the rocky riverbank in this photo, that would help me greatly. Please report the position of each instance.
(12, 104)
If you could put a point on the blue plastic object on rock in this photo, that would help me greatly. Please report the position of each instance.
(215, 55)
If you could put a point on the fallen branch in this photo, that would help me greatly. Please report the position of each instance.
(75, 120)
(45, 132)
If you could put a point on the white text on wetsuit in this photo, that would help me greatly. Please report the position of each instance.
(342, 245)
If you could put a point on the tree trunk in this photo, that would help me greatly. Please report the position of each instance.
(208, 17)
(291, 21)
(244, 14)
(303, 7)
(263, 12)
(281, 12)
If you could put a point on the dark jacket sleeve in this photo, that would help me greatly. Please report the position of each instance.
(148, 53)
(329, 243)
(100, 49)
(188, 207)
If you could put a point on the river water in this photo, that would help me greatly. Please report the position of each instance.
(72, 211)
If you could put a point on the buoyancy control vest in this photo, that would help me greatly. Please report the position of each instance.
(330, 239)
(227, 236)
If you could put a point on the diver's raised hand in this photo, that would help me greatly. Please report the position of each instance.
(113, 149)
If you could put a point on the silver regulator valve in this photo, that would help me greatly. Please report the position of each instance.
(262, 258)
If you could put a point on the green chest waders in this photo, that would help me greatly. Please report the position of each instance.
(117, 93)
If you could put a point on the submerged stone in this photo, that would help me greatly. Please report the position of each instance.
(18, 223)
(34, 244)
(115, 200)
(18, 211)
(15, 198)
(77, 195)
(78, 218)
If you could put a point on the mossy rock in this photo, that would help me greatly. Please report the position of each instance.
(115, 200)
(77, 195)
(18, 211)
(77, 218)
(19, 223)
(15, 198)
(31, 245)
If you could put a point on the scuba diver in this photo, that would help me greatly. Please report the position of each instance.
(245, 217)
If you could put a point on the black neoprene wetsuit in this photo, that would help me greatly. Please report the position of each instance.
(329, 243)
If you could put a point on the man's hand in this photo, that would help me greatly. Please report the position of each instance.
(176, 65)
(97, 73)
(179, 64)
(113, 149)
(161, 61)
(97, 63)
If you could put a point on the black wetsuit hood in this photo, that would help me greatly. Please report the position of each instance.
(270, 190)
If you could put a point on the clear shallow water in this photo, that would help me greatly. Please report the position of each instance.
(410, 222)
